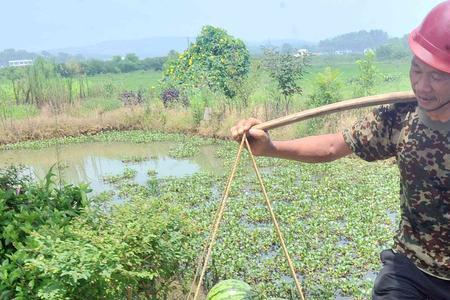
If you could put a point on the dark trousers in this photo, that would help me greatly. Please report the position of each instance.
(400, 279)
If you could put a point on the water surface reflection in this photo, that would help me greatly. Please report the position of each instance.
(92, 161)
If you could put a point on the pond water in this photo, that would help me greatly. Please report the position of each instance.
(90, 162)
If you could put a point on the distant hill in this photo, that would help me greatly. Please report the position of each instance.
(255, 47)
(150, 47)
(354, 41)
(159, 46)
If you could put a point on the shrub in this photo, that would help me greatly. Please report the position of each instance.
(26, 207)
(55, 246)
(327, 87)
(132, 98)
(327, 90)
(142, 244)
(169, 96)
(367, 75)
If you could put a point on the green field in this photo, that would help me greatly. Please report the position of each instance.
(128, 81)
(392, 76)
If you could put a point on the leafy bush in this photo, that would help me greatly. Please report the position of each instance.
(367, 75)
(132, 98)
(391, 77)
(199, 99)
(169, 96)
(142, 244)
(108, 89)
(55, 246)
(327, 88)
(26, 207)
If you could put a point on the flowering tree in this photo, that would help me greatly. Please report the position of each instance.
(216, 60)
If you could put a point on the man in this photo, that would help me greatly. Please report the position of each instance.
(418, 136)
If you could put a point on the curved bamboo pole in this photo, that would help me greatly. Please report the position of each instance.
(389, 98)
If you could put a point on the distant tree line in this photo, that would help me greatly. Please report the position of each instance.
(117, 64)
(354, 41)
(359, 42)
(46, 82)
(394, 48)
(13, 54)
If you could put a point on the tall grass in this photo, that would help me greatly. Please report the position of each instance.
(103, 110)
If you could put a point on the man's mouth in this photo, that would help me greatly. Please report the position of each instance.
(426, 99)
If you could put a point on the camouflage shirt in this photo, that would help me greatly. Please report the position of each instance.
(421, 147)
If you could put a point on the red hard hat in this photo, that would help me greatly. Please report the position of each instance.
(431, 40)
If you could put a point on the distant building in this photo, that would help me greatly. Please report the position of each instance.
(301, 52)
(343, 52)
(20, 63)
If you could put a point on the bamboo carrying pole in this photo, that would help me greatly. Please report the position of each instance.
(390, 98)
(310, 113)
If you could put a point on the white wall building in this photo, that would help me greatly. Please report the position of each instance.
(20, 63)
(301, 52)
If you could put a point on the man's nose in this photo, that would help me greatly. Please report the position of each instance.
(424, 84)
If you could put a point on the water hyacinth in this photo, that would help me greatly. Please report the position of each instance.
(335, 218)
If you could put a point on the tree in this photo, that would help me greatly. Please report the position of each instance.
(94, 66)
(327, 88)
(40, 76)
(15, 76)
(130, 63)
(287, 48)
(216, 60)
(365, 82)
(286, 69)
(12, 54)
(69, 71)
(132, 58)
(395, 48)
(355, 41)
(154, 63)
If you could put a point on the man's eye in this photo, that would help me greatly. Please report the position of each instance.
(439, 76)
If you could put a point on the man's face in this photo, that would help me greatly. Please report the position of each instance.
(431, 87)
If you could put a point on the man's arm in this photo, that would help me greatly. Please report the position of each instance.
(321, 148)
(312, 149)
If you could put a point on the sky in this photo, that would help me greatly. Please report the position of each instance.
(36, 25)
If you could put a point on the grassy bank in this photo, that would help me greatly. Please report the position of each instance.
(103, 108)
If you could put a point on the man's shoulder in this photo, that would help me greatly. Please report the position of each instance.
(395, 113)
(407, 107)
(398, 108)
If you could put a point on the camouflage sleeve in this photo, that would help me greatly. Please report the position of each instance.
(371, 137)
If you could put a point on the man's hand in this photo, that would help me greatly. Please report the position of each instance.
(259, 139)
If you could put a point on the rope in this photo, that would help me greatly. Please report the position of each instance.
(219, 215)
(275, 222)
(218, 218)
(205, 248)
